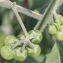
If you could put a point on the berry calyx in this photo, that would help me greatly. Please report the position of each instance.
(34, 52)
(35, 36)
(20, 55)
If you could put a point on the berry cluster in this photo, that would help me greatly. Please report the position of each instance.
(19, 47)
(56, 28)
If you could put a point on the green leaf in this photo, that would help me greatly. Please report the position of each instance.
(60, 46)
(54, 55)
(40, 58)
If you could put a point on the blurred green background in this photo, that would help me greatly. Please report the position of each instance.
(9, 25)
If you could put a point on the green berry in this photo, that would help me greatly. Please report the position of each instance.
(21, 36)
(20, 55)
(61, 18)
(35, 36)
(61, 27)
(2, 37)
(7, 53)
(52, 29)
(37, 11)
(34, 52)
(10, 40)
(58, 21)
(59, 35)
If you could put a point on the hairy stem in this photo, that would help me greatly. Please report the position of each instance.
(42, 23)
(19, 42)
(29, 13)
(7, 4)
(20, 21)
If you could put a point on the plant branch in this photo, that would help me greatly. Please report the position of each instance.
(19, 42)
(21, 23)
(7, 4)
(19, 20)
(42, 23)
(29, 12)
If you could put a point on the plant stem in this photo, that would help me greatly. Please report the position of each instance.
(29, 13)
(20, 21)
(56, 20)
(7, 4)
(42, 23)
(19, 42)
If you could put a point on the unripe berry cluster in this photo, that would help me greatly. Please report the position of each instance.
(19, 47)
(56, 28)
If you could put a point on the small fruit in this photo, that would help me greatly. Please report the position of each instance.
(7, 53)
(52, 29)
(61, 27)
(35, 36)
(21, 36)
(34, 52)
(37, 11)
(2, 37)
(58, 21)
(10, 40)
(61, 18)
(59, 35)
(20, 55)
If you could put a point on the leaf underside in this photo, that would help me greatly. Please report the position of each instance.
(54, 55)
